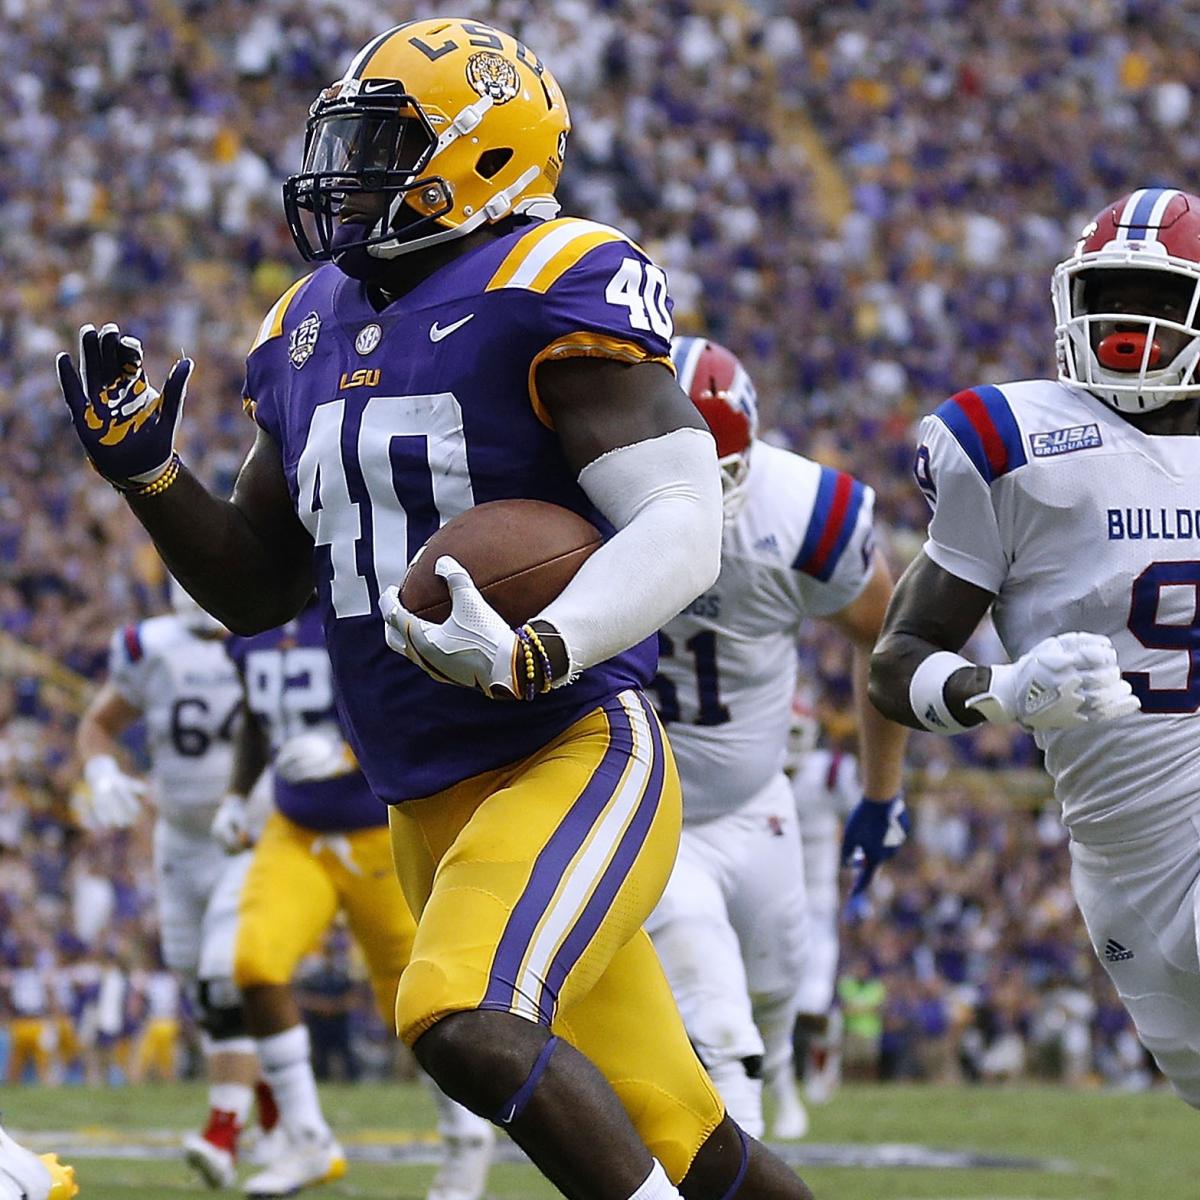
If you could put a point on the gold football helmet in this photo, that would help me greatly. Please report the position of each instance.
(436, 128)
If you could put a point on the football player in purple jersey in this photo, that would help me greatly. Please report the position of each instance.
(458, 343)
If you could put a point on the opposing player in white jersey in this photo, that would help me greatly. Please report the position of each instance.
(798, 543)
(172, 671)
(1071, 508)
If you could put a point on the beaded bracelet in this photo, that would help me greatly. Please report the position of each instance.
(547, 667)
(158, 484)
(524, 643)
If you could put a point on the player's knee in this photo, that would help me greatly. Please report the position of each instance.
(731, 1166)
(480, 1058)
(220, 1010)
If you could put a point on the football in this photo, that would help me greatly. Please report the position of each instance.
(521, 554)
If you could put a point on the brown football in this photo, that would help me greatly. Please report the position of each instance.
(521, 554)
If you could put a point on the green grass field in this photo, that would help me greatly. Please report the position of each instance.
(1112, 1146)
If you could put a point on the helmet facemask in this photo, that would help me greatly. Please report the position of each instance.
(364, 155)
(735, 478)
(1128, 326)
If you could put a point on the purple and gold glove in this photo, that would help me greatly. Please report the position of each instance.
(125, 425)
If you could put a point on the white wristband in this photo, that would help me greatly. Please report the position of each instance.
(925, 692)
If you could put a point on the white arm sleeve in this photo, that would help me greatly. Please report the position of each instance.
(663, 496)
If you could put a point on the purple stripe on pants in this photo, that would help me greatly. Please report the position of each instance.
(614, 875)
(554, 859)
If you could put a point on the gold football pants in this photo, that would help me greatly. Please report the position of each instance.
(298, 881)
(531, 885)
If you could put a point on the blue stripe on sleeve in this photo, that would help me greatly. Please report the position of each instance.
(820, 514)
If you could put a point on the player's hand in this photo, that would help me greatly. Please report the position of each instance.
(1063, 682)
(318, 754)
(230, 827)
(875, 830)
(473, 647)
(115, 800)
(125, 425)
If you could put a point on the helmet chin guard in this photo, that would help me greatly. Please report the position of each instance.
(1134, 361)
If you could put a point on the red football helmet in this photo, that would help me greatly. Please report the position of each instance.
(1142, 355)
(718, 385)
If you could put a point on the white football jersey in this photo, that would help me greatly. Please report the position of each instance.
(800, 547)
(190, 695)
(1078, 521)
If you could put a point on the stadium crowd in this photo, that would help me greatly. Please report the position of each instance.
(863, 200)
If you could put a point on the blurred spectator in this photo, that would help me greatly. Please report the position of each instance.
(328, 997)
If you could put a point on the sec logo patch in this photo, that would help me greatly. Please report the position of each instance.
(369, 336)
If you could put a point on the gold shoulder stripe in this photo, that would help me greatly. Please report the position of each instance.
(587, 344)
(272, 325)
(538, 260)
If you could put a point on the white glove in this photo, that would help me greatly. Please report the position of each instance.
(473, 647)
(318, 754)
(115, 800)
(1063, 682)
(230, 827)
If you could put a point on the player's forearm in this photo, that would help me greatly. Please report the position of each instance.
(881, 742)
(248, 580)
(100, 728)
(93, 738)
(894, 663)
(249, 756)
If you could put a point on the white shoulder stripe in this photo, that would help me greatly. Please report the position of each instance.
(550, 245)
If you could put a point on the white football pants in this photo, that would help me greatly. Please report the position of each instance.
(821, 841)
(1141, 903)
(729, 930)
(199, 886)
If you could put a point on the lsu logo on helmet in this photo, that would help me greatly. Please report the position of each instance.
(493, 75)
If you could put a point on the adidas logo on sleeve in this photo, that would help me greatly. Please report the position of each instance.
(1115, 952)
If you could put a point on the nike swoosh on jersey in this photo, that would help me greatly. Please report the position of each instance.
(437, 332)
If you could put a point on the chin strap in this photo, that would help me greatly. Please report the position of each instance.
(500, 205)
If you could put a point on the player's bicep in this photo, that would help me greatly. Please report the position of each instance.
(599, 404)
(932, 605)
(261, 495)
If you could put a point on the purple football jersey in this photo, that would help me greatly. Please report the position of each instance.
(391, 423)
(290, 689)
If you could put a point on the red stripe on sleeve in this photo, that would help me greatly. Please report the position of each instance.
(982, 423)
(833, 523)
(835, 765)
